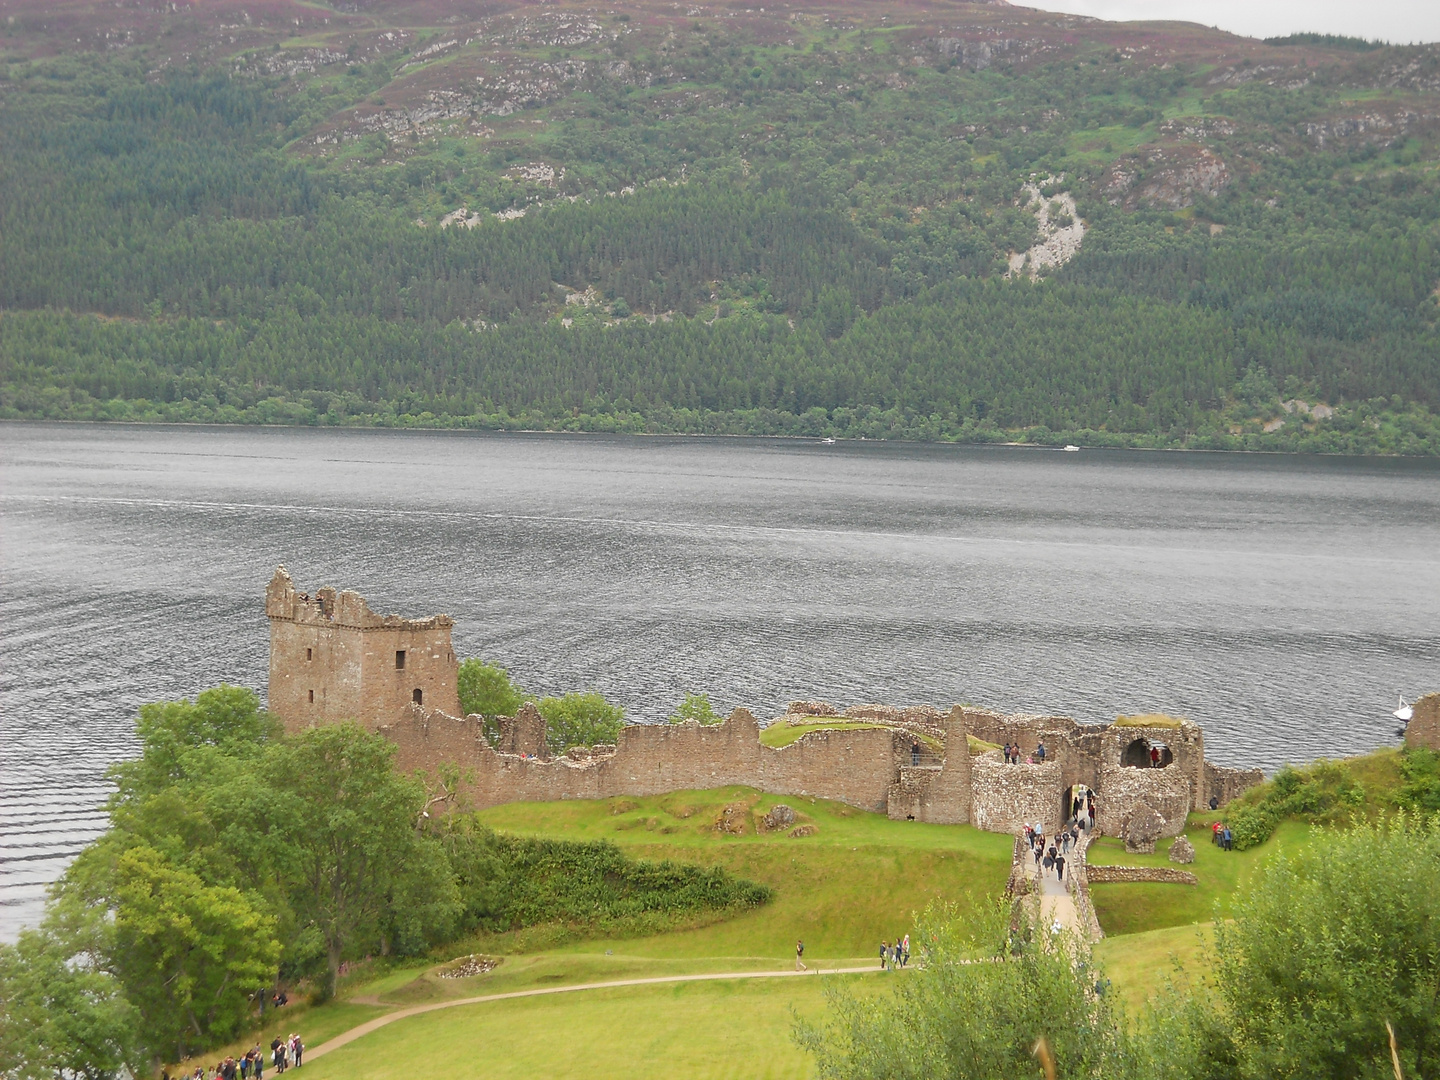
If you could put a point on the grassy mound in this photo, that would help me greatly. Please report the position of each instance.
(858, 878)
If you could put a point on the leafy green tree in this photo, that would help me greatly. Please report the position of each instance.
(989, 987)
(1326, 948)
(189, 955)
(60, 1015)
(695, 707)
(226, 718)
(580, 719)
(486, 691)
(351, 854)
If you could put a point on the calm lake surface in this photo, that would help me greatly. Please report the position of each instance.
(1280, 602)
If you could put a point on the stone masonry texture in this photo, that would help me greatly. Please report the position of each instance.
(332, 659)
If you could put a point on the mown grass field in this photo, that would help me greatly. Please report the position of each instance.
(859, 878)
(705, 1031)
(854, 879)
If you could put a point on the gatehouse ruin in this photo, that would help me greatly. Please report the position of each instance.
(333, 659)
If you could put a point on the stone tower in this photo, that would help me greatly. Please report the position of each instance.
(333, 659)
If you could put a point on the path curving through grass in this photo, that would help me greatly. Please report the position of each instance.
(360, 1030)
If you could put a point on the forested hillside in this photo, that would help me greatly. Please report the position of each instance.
(968, 221)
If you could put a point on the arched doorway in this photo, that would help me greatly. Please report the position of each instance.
(1076, 801)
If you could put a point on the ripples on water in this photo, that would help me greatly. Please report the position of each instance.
(1278, 601)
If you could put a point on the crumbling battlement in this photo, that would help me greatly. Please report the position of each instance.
(333, 659)
(1423, 729)
(852, 766)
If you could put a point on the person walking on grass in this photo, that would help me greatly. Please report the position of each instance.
(800, 956)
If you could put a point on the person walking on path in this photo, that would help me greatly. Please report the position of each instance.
(297, 1049)
(1059, 867)
(800, 956)
(884, 951)
(905, 952)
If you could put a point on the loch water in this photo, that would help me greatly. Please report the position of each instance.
(1281, 602)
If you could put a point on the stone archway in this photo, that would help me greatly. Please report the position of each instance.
(1081, 792)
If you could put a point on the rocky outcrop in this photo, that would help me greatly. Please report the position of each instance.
(1143, 826)
(1182, 851)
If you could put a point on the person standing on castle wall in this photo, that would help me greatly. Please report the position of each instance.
(1154, 757)
(915, 753)
(1040, 751)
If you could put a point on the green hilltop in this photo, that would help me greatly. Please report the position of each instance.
(963, 222)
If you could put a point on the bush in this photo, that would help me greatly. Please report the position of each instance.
(1323, 793)
(1421, 770)
(510, 882)
(486, 690)
(695, 707)
(580, 720)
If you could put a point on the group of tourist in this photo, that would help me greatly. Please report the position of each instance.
(1013, 754)
(1220, 835)
(1051, 856)
(896, 955)
(283, 1053)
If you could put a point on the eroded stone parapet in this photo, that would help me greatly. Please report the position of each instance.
(1223, 784)
(1423, 730)
(1006, 798)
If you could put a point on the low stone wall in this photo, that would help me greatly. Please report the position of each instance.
(1077, 880)
(854, 766)
(1099, 874)
(1224, 784)
(1006, 798)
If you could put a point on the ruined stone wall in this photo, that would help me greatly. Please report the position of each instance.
(1225, 784)
(854, 767)
(938, 794)
(1005, 798)
(1423, 730)
(524, 733)
(1121, 789)
(1164, 874)
(333, 659)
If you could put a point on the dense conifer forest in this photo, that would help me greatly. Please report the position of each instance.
(972, 222)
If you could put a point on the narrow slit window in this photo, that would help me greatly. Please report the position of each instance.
(309, 654)
(417, 696)
(312, 697)
(399, 659)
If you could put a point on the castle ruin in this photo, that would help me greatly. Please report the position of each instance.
(333, 659)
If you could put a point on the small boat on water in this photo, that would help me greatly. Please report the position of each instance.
(1071, 448)
(828, 441)
(1404, 712)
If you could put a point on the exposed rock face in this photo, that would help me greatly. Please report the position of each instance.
(1143, 826)
(779, 817)
(1182, 851)
(1423, 730)
(731, 820)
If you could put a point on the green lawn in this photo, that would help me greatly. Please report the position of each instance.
(726, 1029)
(1134, 908)
(1138, 965)
(858, 879)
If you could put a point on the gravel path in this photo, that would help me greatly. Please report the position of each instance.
(415, 1010)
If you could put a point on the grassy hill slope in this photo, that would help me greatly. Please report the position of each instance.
(968, 222)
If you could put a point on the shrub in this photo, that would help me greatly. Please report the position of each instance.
(580, 720)
(486, 690)
(695, 707)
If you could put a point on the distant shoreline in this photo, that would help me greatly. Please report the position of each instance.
(837, 440)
